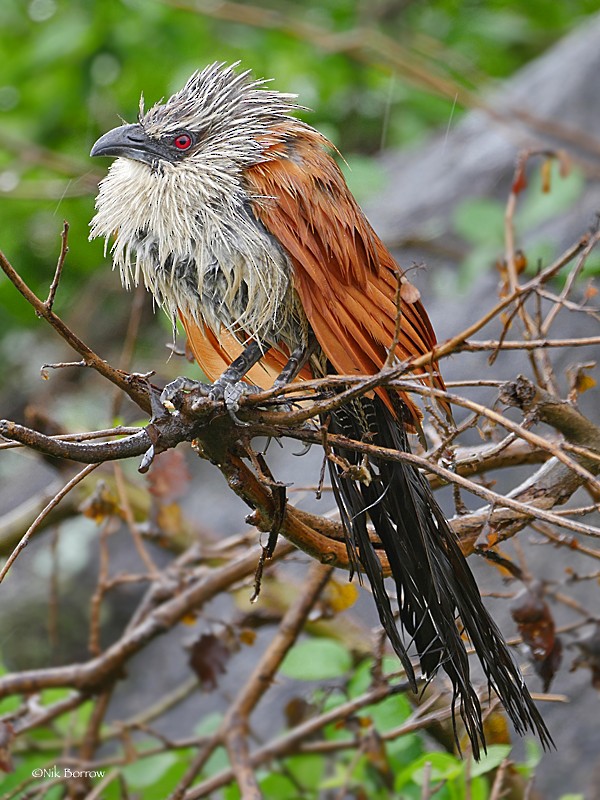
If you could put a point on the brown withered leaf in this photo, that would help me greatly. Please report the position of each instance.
(169, 477)
(520, 265)
(208, 657)
(247, 636)
(170, 518)
(579, 380)
(520, 179)
(546, 175)
(589, 655)
(495, 726)
(298, 710)
(584, 382)
(102, 503)
(408, 292)
(536, 625)
(590, 291)
(338, 596)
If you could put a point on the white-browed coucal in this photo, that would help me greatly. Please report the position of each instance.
(237, 218)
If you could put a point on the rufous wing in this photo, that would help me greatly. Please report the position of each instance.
(345, 277)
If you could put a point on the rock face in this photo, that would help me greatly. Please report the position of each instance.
(552, 103)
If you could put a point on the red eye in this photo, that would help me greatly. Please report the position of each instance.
(183, 141)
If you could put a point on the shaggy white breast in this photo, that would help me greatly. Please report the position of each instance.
(194, 245)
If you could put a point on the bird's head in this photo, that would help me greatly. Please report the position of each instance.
(220, 116)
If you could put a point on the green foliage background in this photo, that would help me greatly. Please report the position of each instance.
(71, 68)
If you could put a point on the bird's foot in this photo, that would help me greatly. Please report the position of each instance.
(230, 392)
(172, 395)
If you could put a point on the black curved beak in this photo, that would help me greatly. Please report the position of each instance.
(130, 141)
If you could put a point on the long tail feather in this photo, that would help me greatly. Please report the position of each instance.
(435, 586)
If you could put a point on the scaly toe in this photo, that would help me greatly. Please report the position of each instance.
(172, 395)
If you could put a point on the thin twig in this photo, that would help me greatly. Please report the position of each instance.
(40, 517)
(64, 249)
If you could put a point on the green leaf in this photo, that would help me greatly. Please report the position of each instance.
(170, 777)
(361, 679)
(496, 753)
(217, 762)
(51, 696)
(307, 769)
(316, 660)
(278, 787)
(231, 792)
(208, 724)
(479, 789)
(389, 713)
(480, 221)
(147, 771)
(478, 262)
(538, 206)
(533, 757)
(443, 767)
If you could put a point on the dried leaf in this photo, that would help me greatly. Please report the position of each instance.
(102, 503)
(583, 383)
(496, 728)
(169, 518)
(520, 265)
(408, 292)
(208, 658)
(339, 596)
(579, 380)
(590, 291)
(247, 636)
(547, 175)
(536, 625)
(520, 262)
(169, 477)
(298, 710)
(520, 179)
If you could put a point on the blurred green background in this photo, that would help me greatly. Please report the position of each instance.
(375, 73)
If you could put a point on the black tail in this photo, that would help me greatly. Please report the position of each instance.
(434, 583)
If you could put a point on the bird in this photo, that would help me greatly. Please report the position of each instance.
(234, 213)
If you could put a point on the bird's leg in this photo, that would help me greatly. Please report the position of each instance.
(296, 361)
(229, 387)
(234, 373)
